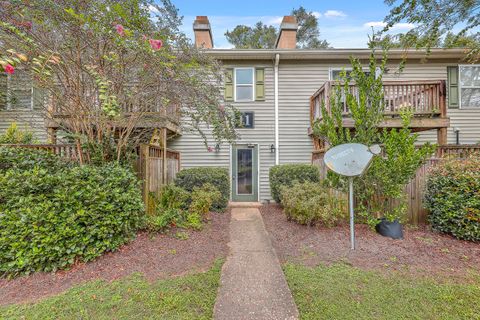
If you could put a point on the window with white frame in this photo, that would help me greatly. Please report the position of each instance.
(244, 84)
(16, 91)
(335, 73)
(469, 86)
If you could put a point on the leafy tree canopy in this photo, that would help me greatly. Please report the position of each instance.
(262, 36)
(439, 19)
(110, 65)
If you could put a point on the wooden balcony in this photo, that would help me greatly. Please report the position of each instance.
(426, 99)
(149, 116)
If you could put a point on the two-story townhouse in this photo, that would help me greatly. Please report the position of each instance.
(279, 92)
(273, 89)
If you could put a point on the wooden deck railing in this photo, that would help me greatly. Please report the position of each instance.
(67, 151)
(147, 110)
(458, 151)
(422, 97)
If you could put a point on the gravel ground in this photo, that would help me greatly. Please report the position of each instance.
(158, 256)
(421, 250)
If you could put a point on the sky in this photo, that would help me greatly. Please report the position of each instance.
(344, 24)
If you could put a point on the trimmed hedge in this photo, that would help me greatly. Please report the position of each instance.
(453, 197)
(27, 159)
(192, 178)
(289, 174)
(309, 203)
(49, 220)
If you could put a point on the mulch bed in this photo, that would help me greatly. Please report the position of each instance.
(421, 251)
(157, 256)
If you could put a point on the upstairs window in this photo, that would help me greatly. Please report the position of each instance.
(469, 76)
(16, 91)
(244, 83)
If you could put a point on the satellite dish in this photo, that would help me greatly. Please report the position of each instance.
(350, 159)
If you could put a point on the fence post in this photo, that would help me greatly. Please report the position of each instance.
(145, 152)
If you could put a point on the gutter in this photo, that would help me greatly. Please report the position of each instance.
(277, 151)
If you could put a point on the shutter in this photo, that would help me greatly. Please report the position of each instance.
(229, 85)
(3, 91)
(452, 84)
(38, 98)
(259, 84)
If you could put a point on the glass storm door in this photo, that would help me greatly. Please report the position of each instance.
(245, 173)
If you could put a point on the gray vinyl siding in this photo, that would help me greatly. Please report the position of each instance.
(194, 153)
(32, 121)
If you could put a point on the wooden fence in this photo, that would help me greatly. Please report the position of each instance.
(156, 167)
(415, 190)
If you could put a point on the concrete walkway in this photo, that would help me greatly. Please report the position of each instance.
(252, 285)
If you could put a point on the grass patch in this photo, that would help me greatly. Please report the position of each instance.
(344, 292)
(188, 297)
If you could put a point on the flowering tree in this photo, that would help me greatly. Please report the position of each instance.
(109, 65)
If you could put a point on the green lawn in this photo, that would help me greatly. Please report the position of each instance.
(344, 292)
(188, 297)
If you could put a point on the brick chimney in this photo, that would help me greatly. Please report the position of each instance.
(287, 39)
(203, 33)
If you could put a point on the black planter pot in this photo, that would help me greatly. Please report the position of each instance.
(390, 229)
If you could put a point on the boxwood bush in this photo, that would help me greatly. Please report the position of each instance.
(288, 174)
(309, 203)
(49, 219)
(453, 197)
(188, 179)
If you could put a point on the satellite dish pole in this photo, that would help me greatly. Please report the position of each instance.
(352, 217)
(350, 160)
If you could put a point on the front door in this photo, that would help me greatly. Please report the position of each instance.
(245, 172)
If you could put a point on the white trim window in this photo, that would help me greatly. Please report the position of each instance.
(334, 73)
(469, 86)
(244, 84)
(16, 91)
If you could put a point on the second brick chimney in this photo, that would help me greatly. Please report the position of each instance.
(287, 38)
(203, 33)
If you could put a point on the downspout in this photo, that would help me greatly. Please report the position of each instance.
(277, 151)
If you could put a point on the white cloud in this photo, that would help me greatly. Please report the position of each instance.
(275, 20)
(153, 9)
(316, 14)
(334, 14)
(381, 24)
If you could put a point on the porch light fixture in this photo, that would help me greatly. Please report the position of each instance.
(217, 147)
(457, 134)
(272, 148)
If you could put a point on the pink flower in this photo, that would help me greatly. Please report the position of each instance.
(221, 108)
(155, 44)
(210, 149)
(120, 30)
(9, 69)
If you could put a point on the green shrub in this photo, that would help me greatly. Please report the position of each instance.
(164, 219)
(453, 197)
(188, 179)
(27, 159)
(13, 135)
(288, 174)
(203, 199)
(173, 197)
(49, 220)
(309, 203)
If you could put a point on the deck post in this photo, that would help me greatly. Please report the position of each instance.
(52, 135)
(164, 156)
